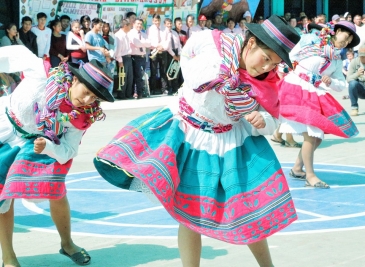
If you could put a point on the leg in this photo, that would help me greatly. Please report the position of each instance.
(262, 253)
(153, 78)
(60, 212)
(129, 77)
(277, 136)
(6, 237)
(306, 158)
(163, 68)
(190, 246)
(354, 89)
(290, 142)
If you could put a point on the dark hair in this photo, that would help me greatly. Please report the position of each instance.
(41, 15)
(124, 22)
(26, 18)
(85, 17)
(243, 19)
(303, 17)
(156, 16)
(95, 21)
(139, 19)
(54, 23)
(188, 16)
(65, 17)
(259, 43)
(229, 20)
(130, 13)
(177, 19)
(350, 51)
(292, 18)
(8, 27)
(167, 20)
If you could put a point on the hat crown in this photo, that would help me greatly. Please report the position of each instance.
(283, 34)
(347, 24)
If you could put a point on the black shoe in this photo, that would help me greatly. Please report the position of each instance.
(139, 97)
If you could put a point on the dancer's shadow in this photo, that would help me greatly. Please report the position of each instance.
(332, 142)
(121, 255)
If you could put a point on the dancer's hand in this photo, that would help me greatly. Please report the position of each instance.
(256, 119)
(39, 145)
(326, 80)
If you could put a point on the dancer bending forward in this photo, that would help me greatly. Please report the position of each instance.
(203, 157)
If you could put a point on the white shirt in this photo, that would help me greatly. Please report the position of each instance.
(138, 40)
(123, 46)
(197, 28)
(43, 40)
(155, 35)
(360, 31)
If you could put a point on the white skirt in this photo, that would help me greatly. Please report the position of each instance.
(297, 128)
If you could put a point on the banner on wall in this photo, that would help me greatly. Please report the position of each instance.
(111, 10)
(229, 8)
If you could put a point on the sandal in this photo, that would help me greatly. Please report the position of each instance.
(282, 142)
(296, 176)
(295, 145)
(320, 184)
(81, 258)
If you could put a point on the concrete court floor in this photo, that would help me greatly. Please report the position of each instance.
(343, 248)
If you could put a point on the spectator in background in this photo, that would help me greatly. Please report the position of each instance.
(95, 44)
(356, 80)
(230, 26)
(363, 19)
(28, 38)
(106, 35)
(303, 23)
(201, 24)
(247, 15)
(65, 23)
(131, 16)
(43, 36)
(75, 43)
(287, 16)
(11, 36)
(346, 62)
(241, 26)
(360, 30)
(189, 24)
(218, 22)
(209, 23)
(260, 20)
(357, 22)
(293, 23)
(85, 23)
(180, 31)
(335, 20)
(321, 19)
(58, 51)
(348, 16)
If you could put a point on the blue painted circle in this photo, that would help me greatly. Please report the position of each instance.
(99, 208)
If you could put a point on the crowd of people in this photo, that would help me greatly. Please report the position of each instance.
(204, 156)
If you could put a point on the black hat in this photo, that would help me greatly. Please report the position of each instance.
(311, 26)
(277, 35)
(96, 78)
(350, 27)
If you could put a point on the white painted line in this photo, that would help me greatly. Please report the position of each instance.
(330, 202)
(83, 179)
(332, 187)
(312, 213)
(133, 212)
(333, 218)
(321, 231)
(102, 190)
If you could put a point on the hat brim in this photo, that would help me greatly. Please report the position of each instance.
(263, 36)
(80, 74)
(356, 39)
(311, 26)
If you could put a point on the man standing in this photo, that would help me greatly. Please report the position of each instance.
(123, 55)
(131, 16)
(178, 29)
(43, 36)
(65, 24)
(139, 42)
(360, 30)
(201, 24)
(188, 26)
(182, 36)
(218, 22)
(356, 80)
(28, 38)
(158, 61)
(173, 53)
(95, 44)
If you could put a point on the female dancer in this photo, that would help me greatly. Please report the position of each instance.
(75, 42)
(306, 107)
(41, 125)
(58, 51)
(204, 157)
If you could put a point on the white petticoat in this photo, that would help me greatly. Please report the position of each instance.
(297, 128)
